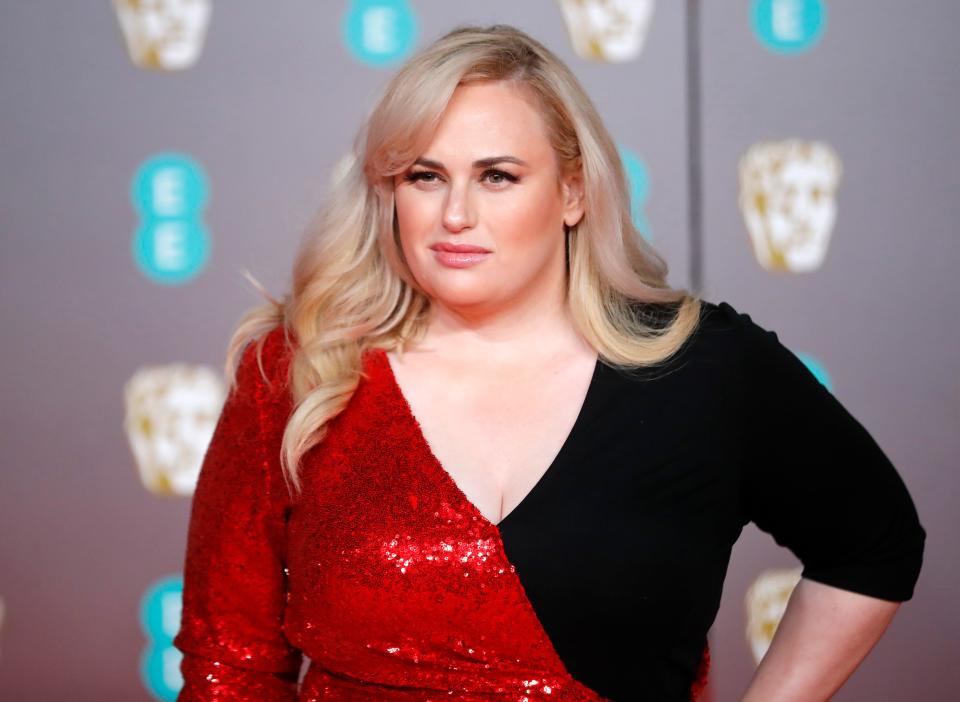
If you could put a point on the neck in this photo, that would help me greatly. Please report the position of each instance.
(534, 326)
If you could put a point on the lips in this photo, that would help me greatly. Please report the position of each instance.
(459, 255)
(459, 248)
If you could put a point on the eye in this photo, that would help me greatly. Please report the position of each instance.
(492, 175)
(425, 176)
(499, 176)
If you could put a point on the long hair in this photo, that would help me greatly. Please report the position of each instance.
(352, 289)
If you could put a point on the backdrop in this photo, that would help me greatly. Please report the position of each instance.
(797, 158)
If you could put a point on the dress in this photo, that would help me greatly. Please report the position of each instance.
(600, 585)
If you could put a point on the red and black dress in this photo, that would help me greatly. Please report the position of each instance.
(600, 585)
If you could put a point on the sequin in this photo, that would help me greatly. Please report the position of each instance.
(380, 572)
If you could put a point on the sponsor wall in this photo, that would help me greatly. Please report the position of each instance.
(794, 157)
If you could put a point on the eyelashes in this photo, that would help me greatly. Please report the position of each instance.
(433, 176)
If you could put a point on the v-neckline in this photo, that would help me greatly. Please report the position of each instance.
(448, 478)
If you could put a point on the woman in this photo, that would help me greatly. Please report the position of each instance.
(483, 451)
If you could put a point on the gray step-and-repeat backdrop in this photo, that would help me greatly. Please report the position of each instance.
(797, 158)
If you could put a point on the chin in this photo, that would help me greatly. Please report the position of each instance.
(468, 295)
(459, 298)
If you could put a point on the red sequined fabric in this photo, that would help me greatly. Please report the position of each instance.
(381, 572)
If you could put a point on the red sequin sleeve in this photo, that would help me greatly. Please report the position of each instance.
(231, 633)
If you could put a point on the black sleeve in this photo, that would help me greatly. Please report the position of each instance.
(815, 479)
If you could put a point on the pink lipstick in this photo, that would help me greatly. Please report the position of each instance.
(459, 255)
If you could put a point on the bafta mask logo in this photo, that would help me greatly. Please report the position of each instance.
(170, 413)
(788, 26)
(160, 610)
(169, 193)
(379, 32)
(766, 600)
(607, 30)
(788, 198)
(163, 35)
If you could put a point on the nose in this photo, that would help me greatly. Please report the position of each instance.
(458, 208)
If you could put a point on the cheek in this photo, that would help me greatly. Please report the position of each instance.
(418, 221)
(528, 220)
(416, 218)
(527, 232)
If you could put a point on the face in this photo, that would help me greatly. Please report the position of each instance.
(488, 181)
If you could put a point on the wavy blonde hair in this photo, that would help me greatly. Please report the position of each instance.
(351, 287)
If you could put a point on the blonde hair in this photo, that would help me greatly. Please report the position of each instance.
(352, 290)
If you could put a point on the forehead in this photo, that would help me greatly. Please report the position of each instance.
(489, 118)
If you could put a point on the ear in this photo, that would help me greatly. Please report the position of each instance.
(574, 199)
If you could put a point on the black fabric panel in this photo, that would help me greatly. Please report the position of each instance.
(623, 545)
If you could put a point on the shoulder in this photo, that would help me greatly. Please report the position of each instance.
(265, 361)
(721, 316)
(712, 346)
(722, 324)
(720, 329)
(767, 367)
(725, 338)
(714, 316)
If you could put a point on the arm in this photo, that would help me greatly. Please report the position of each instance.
(817, 481)
(231, 633)
(824, 635)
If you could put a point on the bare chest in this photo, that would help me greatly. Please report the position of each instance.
(495, 434)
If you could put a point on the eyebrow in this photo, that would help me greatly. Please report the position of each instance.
(480, 163)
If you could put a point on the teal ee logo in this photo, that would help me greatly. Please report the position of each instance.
(379, 32)
(817, 368)
(638, 180)
(160, 609)
(169, 192)
(788, 26)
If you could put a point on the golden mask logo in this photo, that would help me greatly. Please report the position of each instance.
(788, 197)
(607, 30)
(165, 35)
(766, 600)
(170, 414)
